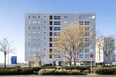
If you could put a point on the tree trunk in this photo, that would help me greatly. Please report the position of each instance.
(107, 59)
(74, 62)
(70, 62)
(5, 60)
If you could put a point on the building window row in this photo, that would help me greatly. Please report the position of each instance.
(34, 33)
(84, 23)
(57, 28)
(86, 51)
(55, 23)
(34, 27)
(34, 16)
(56, 17)
(33, 44)
(82, 56)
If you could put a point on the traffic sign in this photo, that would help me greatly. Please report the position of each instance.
(14, 59)
(91, 55)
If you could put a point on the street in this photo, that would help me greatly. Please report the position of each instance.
(58, 76)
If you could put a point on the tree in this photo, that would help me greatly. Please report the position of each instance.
(109, 46)
(39, 56)
(73, 38)
(5, 47)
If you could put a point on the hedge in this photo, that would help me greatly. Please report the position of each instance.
(24, 70)
(58, 72)
(104, 70)
(82, 68)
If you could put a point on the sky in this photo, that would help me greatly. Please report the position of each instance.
(12, 17)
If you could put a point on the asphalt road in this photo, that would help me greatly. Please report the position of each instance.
(58, 76)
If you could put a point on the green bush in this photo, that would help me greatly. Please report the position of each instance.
(104, 71)
(58, 72)
(9, 71)
(76, 67)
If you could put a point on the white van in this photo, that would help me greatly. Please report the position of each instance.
(80, 64)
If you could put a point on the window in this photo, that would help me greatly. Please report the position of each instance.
(38, 16)
(56, 33)
(66, 22)
(50, 55)
(87, 22)
(56, 22)
(81, 23)
(38, 27)
(34, 22)
(50, 33)
(55, 39)
(44, 43)
(50, 39)
(80, 56)
(34, 49)
(56, 28)
(86, 56)
(57, 56)
(75, 22)
(80, 28)
(44, 49)
(44, 27)
(34, 16)
(50, 17)
(44, 32)
(87, 28)
(29, 16)
(65, 16)
(50, 50)
(38, 33)
(44, 16)
(88, 45)
(50, 28)
(44, 21)
(84, 17)
(87, 39)
(87, 50)
(29, 27)
(88, 34)
(81, 51)
(50, 44)
(34, 33)
(50, 22)
(56, 17)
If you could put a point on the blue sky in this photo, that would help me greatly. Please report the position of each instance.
(12, 13)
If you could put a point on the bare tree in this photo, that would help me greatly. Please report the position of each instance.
(39, 56)
(73, 38)
(5, 47)
(109, 46)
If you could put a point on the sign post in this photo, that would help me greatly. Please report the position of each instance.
(91, 56)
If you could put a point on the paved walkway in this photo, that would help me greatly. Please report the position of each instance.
(58, 76)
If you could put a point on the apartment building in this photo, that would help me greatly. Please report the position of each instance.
(41, 30)
(100, 54)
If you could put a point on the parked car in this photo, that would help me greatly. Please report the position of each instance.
(46, 65)
(80, 64)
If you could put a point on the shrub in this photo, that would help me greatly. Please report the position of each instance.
(104, 71)
(58, 72)
(76, 67)
(26, 70)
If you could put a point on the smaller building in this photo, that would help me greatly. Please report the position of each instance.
(100, 56)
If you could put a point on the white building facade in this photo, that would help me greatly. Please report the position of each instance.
(42, 28)
(100, 56)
